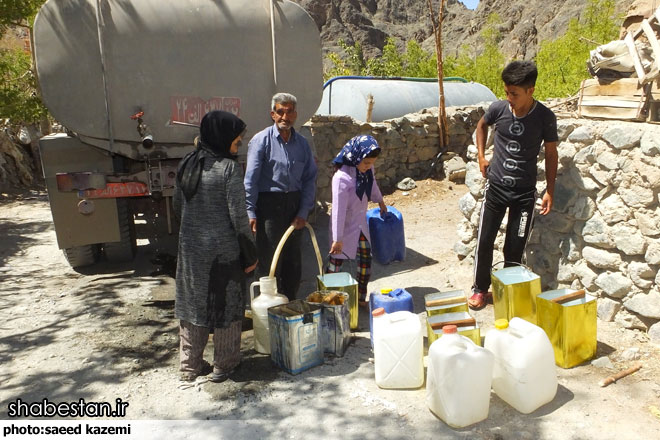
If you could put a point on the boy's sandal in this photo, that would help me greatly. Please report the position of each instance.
(479, 300)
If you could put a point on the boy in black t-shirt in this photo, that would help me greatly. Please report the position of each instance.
(521, 125)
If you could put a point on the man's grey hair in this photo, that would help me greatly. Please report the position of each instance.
(283, 98)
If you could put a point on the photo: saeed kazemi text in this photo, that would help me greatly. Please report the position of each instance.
(84, 429)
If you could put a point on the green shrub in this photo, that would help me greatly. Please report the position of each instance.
(19, 99)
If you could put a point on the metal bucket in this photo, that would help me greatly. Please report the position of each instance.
(438, 321)
(571, 326)
(295, 339)
(344, 282)
(515, 290)
(335, 323)
(445, 302)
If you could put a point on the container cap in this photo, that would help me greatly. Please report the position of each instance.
(501, 324)
(449, 329)
(378, 312)
(385, 291)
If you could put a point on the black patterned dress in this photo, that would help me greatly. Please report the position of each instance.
(215, 245)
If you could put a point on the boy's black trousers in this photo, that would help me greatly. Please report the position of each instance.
(497, 198)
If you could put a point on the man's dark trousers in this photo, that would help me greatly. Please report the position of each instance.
(275, 212)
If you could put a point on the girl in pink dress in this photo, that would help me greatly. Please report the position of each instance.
(353, 185)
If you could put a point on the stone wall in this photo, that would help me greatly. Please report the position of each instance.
(603, 233)
(17, 167)
(409, 143)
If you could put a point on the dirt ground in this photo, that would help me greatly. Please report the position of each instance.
(111, 333)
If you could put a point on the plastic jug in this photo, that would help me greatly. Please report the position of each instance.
(524, 374)
(398, 349)
(390, 300)
(388, 242)
(259, 305)
(458, 379)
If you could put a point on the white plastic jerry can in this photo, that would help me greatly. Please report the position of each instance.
(458, 379)
(524, 374)
(268, 298)
(398, 349)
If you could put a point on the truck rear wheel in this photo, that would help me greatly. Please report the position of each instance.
(79, 256)
(124, 249)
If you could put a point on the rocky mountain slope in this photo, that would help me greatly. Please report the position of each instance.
(524, 23)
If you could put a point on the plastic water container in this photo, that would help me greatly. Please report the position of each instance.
(388, 242)
(524, 374)
(458, 379)
(392, 301)
(398, 349)
(259, 306)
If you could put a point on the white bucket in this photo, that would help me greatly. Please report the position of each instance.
(524, 374)
(458, 380)
(398, 349)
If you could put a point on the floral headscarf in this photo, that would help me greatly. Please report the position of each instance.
(352, 154)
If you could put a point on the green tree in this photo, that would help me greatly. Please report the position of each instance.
(461, 64)
(489, 64)
(19, 100)
(413, 61)
(19, 97)
(419, 63)
(562, 62)
(390, 63)
(17, 12)
(352, 64)
(486, 67)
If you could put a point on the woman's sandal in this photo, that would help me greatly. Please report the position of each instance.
(191, 376)
(478, 300)
(221, 377)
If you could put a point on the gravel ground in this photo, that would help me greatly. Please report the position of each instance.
(110, 333)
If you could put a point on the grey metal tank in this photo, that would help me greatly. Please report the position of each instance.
(101, 61)
(395, 97)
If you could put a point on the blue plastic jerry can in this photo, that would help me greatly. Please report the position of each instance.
(392, 301)
(388, 242)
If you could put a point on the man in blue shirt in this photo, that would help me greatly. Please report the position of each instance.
(280, 184)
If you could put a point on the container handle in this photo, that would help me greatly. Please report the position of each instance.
(457, 322)
(444, 301)
(492, 268)
(252, 286)
(280, 245)
(328, 259)
(569, 297)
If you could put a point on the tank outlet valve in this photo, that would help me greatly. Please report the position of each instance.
(148, 141)
(144, 130)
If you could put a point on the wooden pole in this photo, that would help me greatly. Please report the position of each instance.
(605, 382)
(436, 22)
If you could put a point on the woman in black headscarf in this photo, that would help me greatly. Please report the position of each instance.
(216, 248)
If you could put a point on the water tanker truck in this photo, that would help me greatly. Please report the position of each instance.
(130, 81)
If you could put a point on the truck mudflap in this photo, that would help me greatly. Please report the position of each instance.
(78, 222)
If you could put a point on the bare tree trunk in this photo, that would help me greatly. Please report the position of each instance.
(436, 21)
